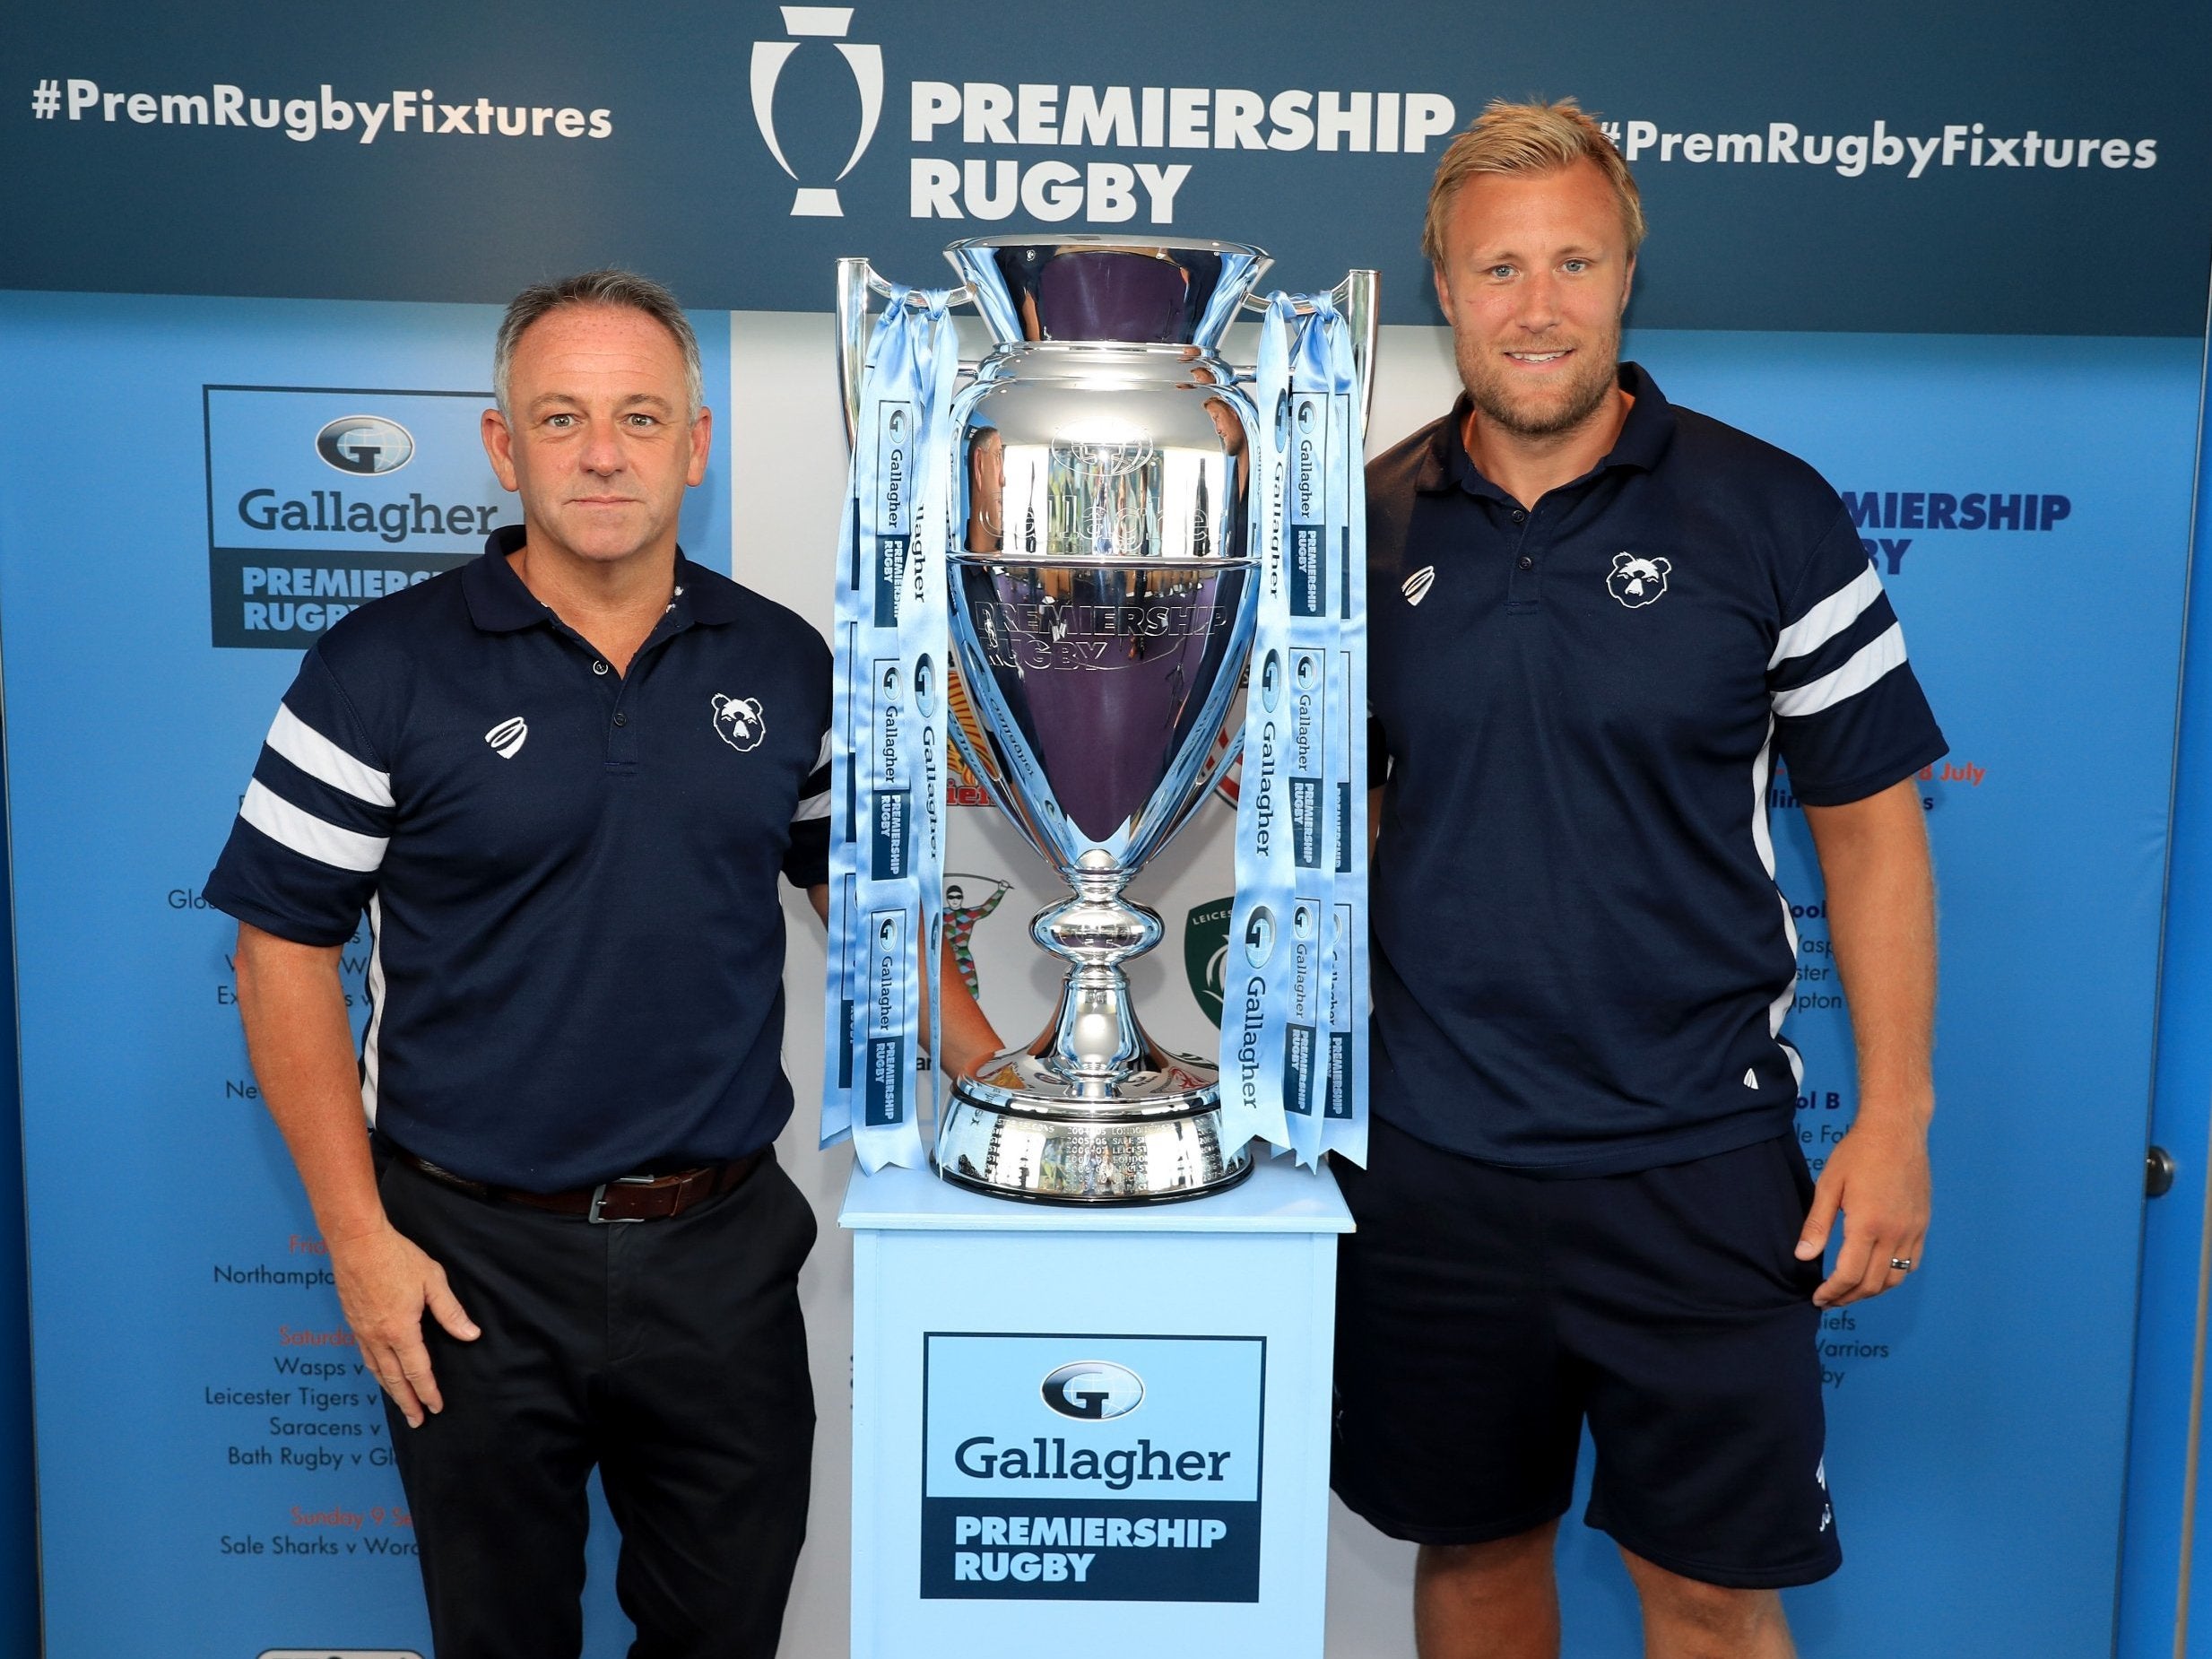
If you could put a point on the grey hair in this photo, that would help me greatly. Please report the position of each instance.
(607, 286)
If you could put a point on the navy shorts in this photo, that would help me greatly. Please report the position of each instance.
(1483, 1315)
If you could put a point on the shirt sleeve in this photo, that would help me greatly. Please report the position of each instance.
(1850, 716)
(311, 831)
(806, 862)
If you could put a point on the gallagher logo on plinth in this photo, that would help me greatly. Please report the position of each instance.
(1094, 1390)
(804, 23)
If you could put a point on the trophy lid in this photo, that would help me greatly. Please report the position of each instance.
(1127, 290)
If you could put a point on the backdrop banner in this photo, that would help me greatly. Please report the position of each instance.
(1937, 169)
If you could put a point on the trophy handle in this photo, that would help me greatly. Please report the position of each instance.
(1361, 304)
(1359, 298)
(856, 280)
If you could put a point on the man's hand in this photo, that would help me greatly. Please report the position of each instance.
(303, 1048)
(1878, 1177)
(384, 1281)
(1881, 905)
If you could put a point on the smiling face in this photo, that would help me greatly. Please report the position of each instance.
(1533, 280)
(602, 443)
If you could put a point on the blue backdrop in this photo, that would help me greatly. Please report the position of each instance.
(2169, 1540)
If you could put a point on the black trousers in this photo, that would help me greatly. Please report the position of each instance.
(669, 1353)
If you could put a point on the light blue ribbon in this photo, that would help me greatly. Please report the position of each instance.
(887, 766)
(1294, 1060)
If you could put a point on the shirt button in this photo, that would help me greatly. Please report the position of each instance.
(1527, 563)
(1520, 516)
(599, 668)
(620, 719)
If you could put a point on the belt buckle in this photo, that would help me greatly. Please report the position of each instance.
(599, 1199)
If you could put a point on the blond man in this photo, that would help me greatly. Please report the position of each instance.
(1601, 621)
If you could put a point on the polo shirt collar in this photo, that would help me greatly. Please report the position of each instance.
(1643, 439)
(500, 604)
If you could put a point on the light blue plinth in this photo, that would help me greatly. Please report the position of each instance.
(1091, 1432)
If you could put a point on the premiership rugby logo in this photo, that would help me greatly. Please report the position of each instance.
(1418, 584)
(805, 23)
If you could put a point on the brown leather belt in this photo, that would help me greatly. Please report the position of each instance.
(626, 1198)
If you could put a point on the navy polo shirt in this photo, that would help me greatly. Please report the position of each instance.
(1582, 960)
(570, 875)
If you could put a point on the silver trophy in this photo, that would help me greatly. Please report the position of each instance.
(1102, 595)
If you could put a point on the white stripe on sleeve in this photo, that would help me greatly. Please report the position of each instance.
(815, 805)
(316, 756)
(1870, 664)
(1827, 619)
(308, 835)
(370, 1037)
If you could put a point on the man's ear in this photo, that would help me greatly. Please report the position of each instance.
(702, 441)
(1627, 281)
(1444, 291)
(499, 446)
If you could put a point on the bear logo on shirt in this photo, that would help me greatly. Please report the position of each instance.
(1635, 581)
(738, 722)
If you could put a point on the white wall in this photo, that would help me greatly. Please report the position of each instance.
(787, 439)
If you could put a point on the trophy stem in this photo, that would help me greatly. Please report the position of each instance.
(1094, 1111)
(1095, 1038)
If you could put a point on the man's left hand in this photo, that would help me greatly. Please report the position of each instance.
(1878, 1177)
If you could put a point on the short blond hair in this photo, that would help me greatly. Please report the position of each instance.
(1528, 138)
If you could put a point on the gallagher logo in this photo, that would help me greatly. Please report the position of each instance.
(1094, 1390)
(804, 23)
(367, 446)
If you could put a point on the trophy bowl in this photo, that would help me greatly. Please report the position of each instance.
(1101, 596)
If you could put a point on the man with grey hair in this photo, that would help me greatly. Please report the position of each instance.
(1603, 620)
(562, 781)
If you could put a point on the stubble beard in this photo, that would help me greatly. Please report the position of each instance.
(1596, 373)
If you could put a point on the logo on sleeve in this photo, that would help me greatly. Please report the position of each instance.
(1637, 582)
(507, 738)
(738, 722)
(1417, 584)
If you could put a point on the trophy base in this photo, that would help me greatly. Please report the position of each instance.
(1156, 1140)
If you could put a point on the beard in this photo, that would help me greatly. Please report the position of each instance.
(1549, 411)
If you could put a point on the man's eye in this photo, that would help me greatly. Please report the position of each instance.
(1575, 267)
(1501, 271)
(643, 420)
(560, 423)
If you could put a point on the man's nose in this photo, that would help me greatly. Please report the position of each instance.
(1539, 300)
(601, 454)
